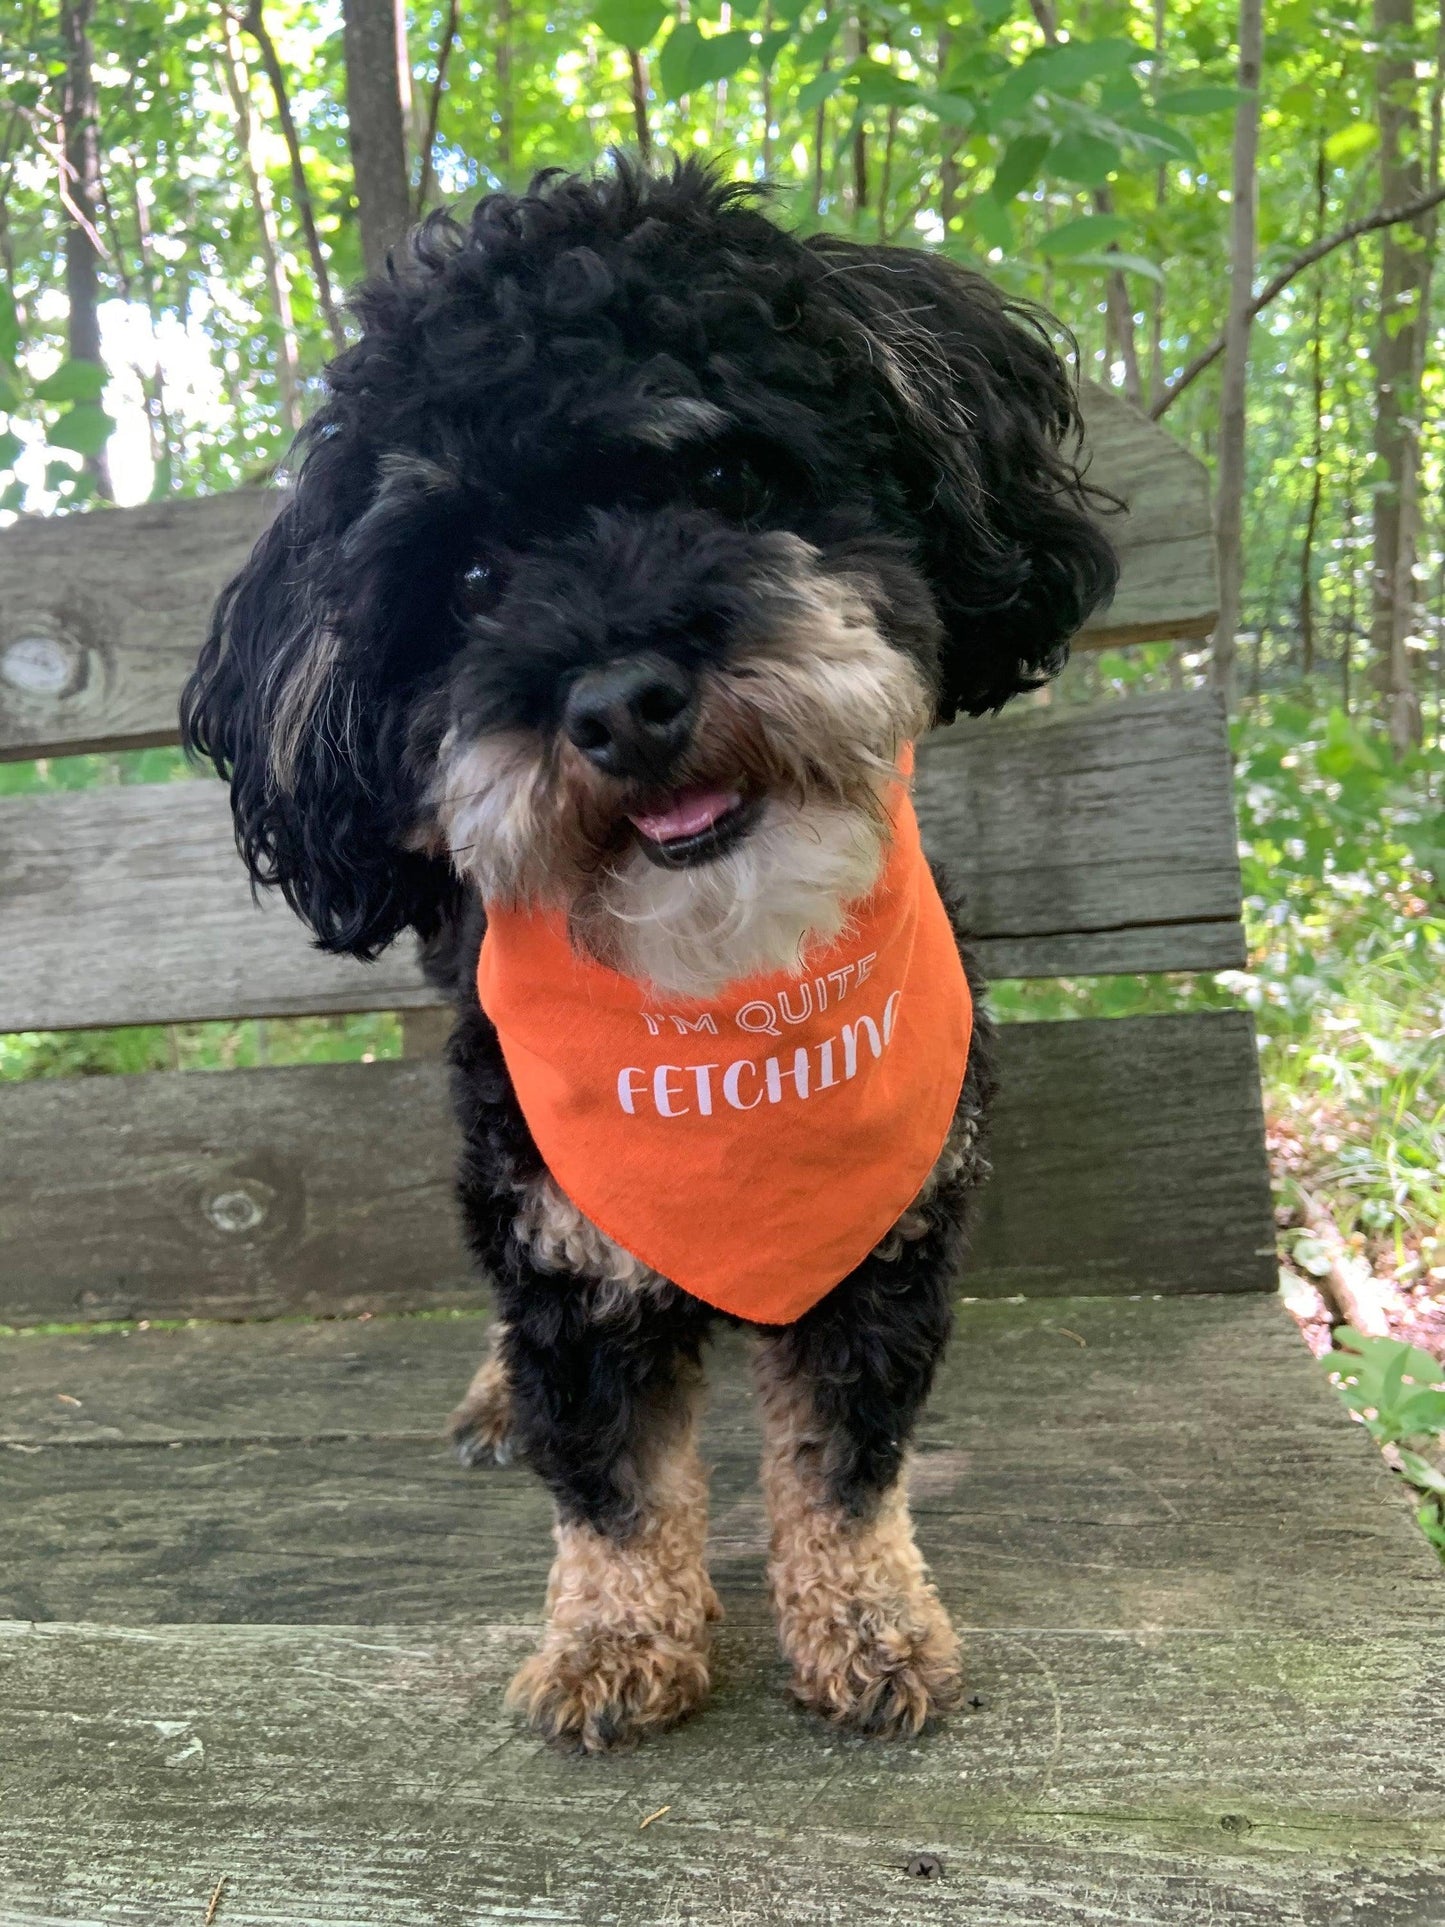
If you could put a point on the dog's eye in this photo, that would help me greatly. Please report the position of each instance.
(731, 485)
(476, 587)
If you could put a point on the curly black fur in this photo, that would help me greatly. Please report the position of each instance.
(495, 497)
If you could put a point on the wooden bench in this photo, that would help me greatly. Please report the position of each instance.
(258, 1619)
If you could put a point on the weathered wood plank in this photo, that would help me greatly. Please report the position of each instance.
(345, 1776)
(1118, 818)
(228, 1194)
(1087, 1463)
(130, 906)
(101, 617)
(1128, 1157)
(1096, 840)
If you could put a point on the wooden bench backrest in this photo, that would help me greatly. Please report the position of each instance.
(1086, 842)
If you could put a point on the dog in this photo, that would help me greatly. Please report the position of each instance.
(633, 543)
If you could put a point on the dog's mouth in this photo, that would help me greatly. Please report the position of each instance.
(694, 826)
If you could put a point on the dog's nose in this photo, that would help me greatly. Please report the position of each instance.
(633, 717)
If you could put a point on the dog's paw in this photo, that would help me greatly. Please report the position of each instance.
(481, 1427)
(885, 1670)
(599, 1688)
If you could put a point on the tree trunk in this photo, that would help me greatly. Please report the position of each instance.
(375, 126)
(238, 85)
(255, 24)
(506, 115)
(860, 131)
(434, 108)
(638, 74)
(80, 185)
(1230, 502)
(950, 174)
(1161, 189)
(1317, 442)
(1402, 275)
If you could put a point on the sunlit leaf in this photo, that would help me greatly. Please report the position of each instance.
(1352, 143)
(1201, 100)
(73, 381)
(820, 88)
(769, 47)
(1089, 231)
(1085, 158)
(86, 428)
(1020, 165)
(992, 222)
(1116, 261)
(631, 23)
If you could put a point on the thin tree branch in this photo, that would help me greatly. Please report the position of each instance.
(254, 23)
(639, 102)
(434, 107)
(1369, 224)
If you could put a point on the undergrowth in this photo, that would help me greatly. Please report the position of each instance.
(1397, 1391)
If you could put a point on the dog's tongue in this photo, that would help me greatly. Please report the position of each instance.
(688, 814)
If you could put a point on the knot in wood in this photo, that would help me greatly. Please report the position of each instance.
(235, 1210)
(39, 665)
(925, 1866)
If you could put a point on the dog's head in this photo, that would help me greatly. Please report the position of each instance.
(633, 539)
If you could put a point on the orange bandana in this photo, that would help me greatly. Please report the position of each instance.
(753, 1147)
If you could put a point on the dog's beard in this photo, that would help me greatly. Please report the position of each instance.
(807, 719)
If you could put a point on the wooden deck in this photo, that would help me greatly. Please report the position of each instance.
(259, 1623)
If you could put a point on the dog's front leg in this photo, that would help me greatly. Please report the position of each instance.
(868, 1638)
(606, 1409)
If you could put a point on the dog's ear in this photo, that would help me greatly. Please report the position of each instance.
(983, 434)
(297, 701)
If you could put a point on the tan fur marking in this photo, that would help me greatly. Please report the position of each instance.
(559, 1237)
(626, 1645)
(867, 1635)
(481, 1425)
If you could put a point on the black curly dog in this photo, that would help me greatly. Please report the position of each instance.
(590, 450)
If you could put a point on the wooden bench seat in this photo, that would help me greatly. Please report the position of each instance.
(260, 1623)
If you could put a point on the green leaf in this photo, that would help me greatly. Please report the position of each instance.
(631, 23)
(1420, 1472)
(992, 221)
(878, 86)
(1201, 100)
(817, 40)
(1088, 232)
(13, 498)
(1017, 89)
(11, 448)
(9, 326)
(769, 47)
(1352, 143)
(952, 109)
(993, 13)
(719, 56)
(672, 69)
(86, 428)
(820, 88)
(793, 10)
(9, 392)
(73, 381)
(1158, 137)
(1115, 259)
(1020, 164)
(1069, 66)
(1086, 158)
